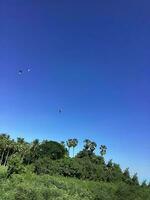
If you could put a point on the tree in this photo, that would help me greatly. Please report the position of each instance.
(93, 146)
(69, 144)
(126, 176)
(103, 149)
(4, 144)
(51, 149)
(3, 148)
(20, 140)
(34, 149)
(88, 149)
(23, 147)
(62, 143)
(9, 149)
(109, 164)
(74, 144)
(89, 146)
(144, 183)
(113, 172)
(126, 173)
(135, 180)
(15, 165)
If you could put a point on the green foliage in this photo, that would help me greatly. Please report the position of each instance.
(3, 172)
(92, 168)
(135, 180)
(72, 143)
(45, 166)
(126, 176)
(51, 149)
(144, 183)
(131, 192)
(24, 187)
(53, 168)
(15, 165)
(103, 149)
(113, 172)
(33, 187)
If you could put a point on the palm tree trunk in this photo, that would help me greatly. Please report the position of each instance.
(69, 151)
(73, 151)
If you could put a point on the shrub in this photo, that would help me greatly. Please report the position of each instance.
(15, 165)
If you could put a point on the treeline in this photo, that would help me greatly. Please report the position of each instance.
(51, 157)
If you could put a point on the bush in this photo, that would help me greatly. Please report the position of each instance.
(3, 172)
(45, 166)
(15, 165)
(45, 187)
(79, 168)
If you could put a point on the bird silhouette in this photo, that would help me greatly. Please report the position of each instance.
(20, 72)
(60, 111)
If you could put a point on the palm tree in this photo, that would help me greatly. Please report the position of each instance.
(74, 144)
(103, 149)
(20, 140)
(89, 146)
(69, 144)
(23, 147)
(93, 146)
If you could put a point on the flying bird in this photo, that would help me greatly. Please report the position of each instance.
(60, 111)
(20, 72)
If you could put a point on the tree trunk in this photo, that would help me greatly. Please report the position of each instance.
(73, 151)
(69, 151)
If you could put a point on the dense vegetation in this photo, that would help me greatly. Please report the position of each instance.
(44, 170)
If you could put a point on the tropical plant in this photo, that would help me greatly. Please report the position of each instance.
(103, 149)
(74, 144)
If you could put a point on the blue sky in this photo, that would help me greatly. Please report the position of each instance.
(90, 58)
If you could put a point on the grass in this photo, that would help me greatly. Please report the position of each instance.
(29, 186)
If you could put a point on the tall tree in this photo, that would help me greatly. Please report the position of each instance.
(135, 179)
(74, 144)
(103, 150)
(89, 148)
(87, 144)
(126, 176)
(69, 144)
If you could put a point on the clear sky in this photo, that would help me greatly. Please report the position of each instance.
(90, 58)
